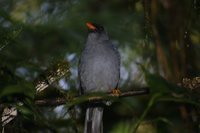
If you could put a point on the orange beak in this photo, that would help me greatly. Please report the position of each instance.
(90, 26)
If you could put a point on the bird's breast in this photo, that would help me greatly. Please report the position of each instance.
(101, 70)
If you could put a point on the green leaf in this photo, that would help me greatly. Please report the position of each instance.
(161, 85)
(20, 91)
(179, 100)
(164, 120)
(121, 127)
(154, 98)
(26, 112)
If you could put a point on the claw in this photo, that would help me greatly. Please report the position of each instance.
(116, 92)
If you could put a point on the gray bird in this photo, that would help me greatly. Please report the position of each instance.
(99, 71)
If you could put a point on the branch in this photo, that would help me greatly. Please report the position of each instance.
(89, 98)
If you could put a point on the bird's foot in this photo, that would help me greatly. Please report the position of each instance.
(116, 92)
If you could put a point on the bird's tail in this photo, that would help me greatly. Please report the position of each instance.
(93, 120)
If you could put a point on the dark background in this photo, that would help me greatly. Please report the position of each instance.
(159, 43)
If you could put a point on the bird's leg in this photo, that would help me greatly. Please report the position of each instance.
(116, 92)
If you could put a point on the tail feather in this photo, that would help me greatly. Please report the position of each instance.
(93, 120)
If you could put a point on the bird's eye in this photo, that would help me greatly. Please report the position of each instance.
(101, 28)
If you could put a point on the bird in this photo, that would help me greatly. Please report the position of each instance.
(98, 71)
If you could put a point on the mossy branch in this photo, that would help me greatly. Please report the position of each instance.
(90, 98)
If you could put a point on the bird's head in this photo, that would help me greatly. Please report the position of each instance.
(96, 31)
(92, 27)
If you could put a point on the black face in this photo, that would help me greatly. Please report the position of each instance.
(98, 29)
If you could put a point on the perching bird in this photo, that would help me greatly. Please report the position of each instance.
(99, 71)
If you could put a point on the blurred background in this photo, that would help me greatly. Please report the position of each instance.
(159, 44)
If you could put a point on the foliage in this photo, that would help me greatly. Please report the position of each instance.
(40, 37)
